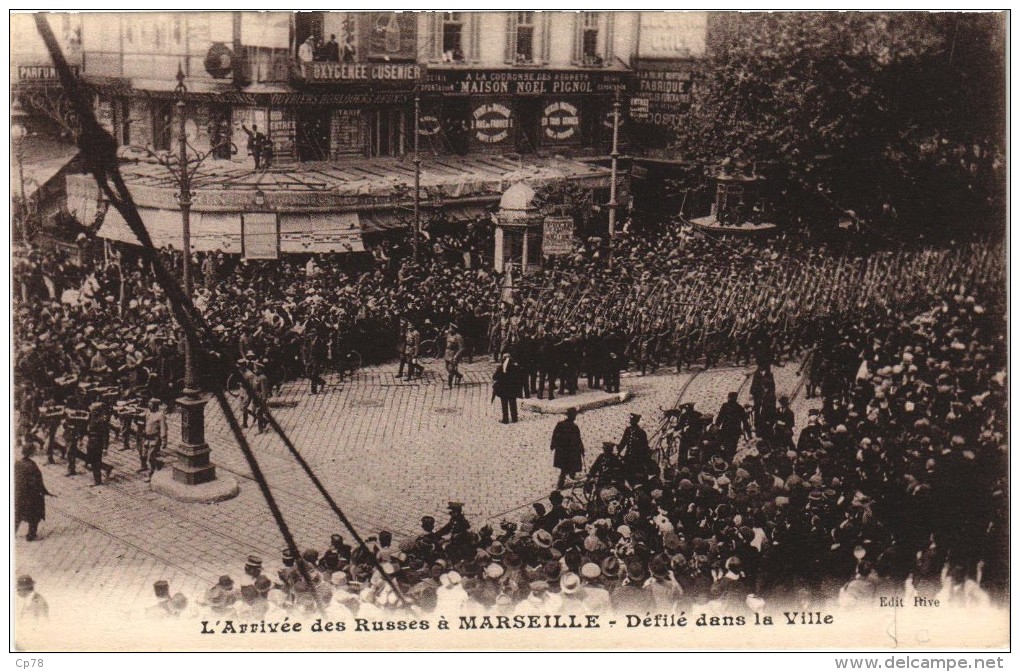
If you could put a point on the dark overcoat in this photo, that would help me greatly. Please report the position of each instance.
(567, 446)
(29, 492)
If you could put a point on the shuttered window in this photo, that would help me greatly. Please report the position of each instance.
(520, 38)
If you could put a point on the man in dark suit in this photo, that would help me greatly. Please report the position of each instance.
(732, 422)
(635, 452)
(506, 384)
(567, 447)
(331, 50)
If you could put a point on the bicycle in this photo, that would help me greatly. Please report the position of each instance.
(427, 351)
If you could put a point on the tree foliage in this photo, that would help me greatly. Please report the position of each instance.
(896, 116)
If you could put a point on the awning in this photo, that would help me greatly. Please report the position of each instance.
(320, 233)
(210, 232)
(379, 221)
(42, 159)
(466, 213)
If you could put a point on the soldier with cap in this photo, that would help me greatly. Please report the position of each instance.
(635, 452)
(454, 353)
(313, 353)
(153, 440)
(75, 423)
(98, 439)
(457, 525)
(263, 391)
(412, 344)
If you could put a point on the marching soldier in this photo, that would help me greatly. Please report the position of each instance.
(453, 355)
(98, 429)
(75, 424)
(412, 342)
(154, 439)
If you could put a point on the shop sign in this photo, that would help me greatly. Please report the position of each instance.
(219, 61)
(661, 96)
(557, 235)
(392, 35)
(325, 73)
(365, 98)
(672, 34)
(522, 82)
(41, 73)
(260, 235)
(491, 122)
(428, 124)
(560, 121)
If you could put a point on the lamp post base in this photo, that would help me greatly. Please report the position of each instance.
(192, 478)
(223, 488)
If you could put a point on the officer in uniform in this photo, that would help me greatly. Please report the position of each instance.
(635, 452)
(453, 355)
(412, 341)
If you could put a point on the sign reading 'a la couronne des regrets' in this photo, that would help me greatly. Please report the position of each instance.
(522, 82)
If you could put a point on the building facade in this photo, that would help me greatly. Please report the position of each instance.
(501, 97)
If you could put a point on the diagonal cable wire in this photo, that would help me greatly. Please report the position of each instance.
(99, 151)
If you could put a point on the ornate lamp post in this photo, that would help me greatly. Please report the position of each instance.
(614, 156)
(193, 467)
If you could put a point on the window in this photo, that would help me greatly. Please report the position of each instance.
(524, 37)
(219, 131)
(586, 41)
(162, 125)
(453, 37)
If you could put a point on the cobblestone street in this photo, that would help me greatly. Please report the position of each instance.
(388, 451)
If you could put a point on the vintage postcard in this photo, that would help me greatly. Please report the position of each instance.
(538, 330)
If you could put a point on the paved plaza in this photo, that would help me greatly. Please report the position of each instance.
(388, 451)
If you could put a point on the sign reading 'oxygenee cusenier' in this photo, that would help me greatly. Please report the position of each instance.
(324, 73)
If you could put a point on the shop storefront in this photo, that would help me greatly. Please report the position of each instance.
(519, 111)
